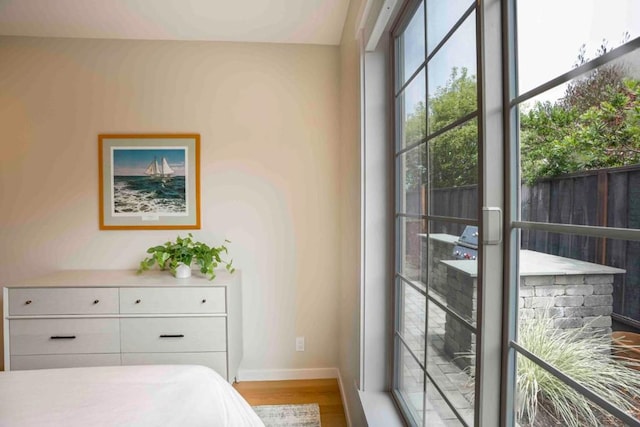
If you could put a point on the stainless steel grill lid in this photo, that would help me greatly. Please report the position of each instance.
(466, 247)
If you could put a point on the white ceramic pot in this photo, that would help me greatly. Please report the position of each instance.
(183, 271)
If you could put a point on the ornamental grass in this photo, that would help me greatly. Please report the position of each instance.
(587, 358)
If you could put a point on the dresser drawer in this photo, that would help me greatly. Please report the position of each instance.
(53, 361)
(195, 300)
(173, 334)
(64, 336)
(214, 360)
(36, 301)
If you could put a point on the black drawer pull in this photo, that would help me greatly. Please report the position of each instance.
(96, 301)
(204, 300)
(138, 301)
(63, 337)
(27, 302)
(172, 336)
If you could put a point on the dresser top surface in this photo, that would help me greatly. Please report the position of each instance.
(124, 278)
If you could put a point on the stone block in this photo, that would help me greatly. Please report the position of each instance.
(588, 311)
(598, 322)
(601, 332)
(569, 301)
(565, 279)
(568, 322)
(595, 300)
(520, 302)
(579, 290)
(549, 291)
(526, 291)
(549, 313)
(467, 292)
(578, 311)
(526, 313)
(539, 302)
(536, 280)
(598, 279)
(603, 289)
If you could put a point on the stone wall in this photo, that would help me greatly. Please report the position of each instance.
(571, 293)
(462, 297)
(571, 301)
(440, 249)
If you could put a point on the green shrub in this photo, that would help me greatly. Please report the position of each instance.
(561, 138)
(582, 356)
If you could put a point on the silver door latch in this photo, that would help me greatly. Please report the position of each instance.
(491, 225)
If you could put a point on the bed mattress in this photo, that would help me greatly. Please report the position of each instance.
(141, 396)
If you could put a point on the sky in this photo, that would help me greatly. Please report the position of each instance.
(550, 34)
(549, 42)
(133, 161)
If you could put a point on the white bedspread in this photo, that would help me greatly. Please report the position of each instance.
(141, 396)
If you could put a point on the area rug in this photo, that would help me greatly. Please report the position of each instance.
(307, 415)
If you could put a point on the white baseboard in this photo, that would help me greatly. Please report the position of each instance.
(287, 374)
(344, 399)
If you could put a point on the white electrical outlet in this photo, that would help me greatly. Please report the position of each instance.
(299, 343)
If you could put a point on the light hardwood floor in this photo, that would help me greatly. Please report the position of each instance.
(325, 393)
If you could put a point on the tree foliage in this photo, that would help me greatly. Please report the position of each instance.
(571, 135)
(453, 155)
(595, 125)
(591, 90)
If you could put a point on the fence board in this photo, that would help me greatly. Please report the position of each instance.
(541, 212)
(525, 200)
(631, 306)
(563, 189)
(616, 255)
(585, 211)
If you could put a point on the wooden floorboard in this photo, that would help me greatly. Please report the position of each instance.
(324, 392)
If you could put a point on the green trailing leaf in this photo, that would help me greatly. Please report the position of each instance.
(187, 251)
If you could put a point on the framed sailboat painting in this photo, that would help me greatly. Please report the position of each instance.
(149, 181)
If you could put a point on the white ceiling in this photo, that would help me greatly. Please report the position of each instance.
(277, 21)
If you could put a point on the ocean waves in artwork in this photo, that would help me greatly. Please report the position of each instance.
(143, 195)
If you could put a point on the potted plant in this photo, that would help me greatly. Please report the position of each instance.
(179, 255)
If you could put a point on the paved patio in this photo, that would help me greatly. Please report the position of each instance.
(454, 382)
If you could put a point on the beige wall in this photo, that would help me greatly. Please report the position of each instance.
(268, 116)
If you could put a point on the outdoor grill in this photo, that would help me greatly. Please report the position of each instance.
(466, 247)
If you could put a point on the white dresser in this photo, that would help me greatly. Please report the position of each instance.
(111, 317)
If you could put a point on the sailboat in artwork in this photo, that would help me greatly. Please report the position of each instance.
(159, 170)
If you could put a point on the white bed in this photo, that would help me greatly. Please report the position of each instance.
(140, 396)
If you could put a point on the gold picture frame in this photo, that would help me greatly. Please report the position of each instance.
(149, 181)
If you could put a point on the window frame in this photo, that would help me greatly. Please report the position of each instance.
(498, 128)
(514, 224)
(488, 416)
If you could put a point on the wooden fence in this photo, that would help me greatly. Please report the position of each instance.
(605, 197)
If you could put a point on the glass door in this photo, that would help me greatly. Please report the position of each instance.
(574, 258)
(438, 190)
